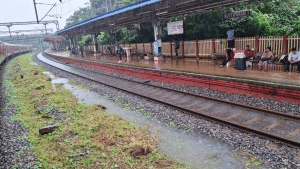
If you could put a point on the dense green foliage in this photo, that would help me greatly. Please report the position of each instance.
(273, 18)
(97, 7)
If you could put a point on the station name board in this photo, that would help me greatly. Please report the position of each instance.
(237, 14)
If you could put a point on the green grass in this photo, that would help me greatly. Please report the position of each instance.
(87, 137)
(172, 124)
(251, 162)
(148, 115)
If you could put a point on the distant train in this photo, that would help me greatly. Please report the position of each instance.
(7, 49)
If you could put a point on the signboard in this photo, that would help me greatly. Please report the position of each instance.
(175, 28)
(238, 14)
(239, 55)
(146, 25)
(155, 45)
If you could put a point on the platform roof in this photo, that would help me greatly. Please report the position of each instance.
(143, 11)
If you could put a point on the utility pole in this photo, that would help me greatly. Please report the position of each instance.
(17, 35)
(9, 29)
(37, 18)
(106, 6)
(45, 27)
(110, 5)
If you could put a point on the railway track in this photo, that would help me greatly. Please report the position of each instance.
(266, 123)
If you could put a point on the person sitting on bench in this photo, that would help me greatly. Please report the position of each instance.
(229, 56)
(265, 59)
(248, 52)
(293, 59)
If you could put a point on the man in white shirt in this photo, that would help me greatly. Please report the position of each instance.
(293, 59)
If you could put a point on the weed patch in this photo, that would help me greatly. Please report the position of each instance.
(86, 137)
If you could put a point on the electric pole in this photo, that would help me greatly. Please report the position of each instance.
(37, 18)
(9, 30)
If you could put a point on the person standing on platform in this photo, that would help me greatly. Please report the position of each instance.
(230, 39)
(229, 56)
(176, 46)
(81, 50)
(265, 59)
(293, 59)
(119, 52)
(248, 52)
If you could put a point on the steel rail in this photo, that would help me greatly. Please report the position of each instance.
(272, 112)
(193, 112)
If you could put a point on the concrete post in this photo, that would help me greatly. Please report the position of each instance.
(171, 54)
(144, 48)
(285, 44)
(71, 43)
(75, 43)
(197, 49)
(182, 45)
(213, 46)
(157, 35)
(256, 44)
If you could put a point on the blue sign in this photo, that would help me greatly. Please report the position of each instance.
(155, 45)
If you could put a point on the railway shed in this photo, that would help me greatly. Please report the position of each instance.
(149, 11)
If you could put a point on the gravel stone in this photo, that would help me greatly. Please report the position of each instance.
(282, 156)
(14, 147)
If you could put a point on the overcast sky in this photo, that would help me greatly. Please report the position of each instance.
(23, 10)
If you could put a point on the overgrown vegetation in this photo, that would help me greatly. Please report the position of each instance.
(87, 136)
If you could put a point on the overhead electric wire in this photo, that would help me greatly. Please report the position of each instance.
(48, 12)
(73, 9)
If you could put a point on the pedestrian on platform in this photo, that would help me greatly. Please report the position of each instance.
(266, 59)
(119, 52)
(230, 39)
(176, 46)
(248, 52)
(81, 50)
(106, 50)
(229, 56)
(293, 59)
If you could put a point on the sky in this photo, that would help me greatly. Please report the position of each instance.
(23, 10)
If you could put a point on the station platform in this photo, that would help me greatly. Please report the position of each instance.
(190, 65)
(203, 73)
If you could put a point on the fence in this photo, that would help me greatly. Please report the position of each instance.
(204, 48)
(293, 41)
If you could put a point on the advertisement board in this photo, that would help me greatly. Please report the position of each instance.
(155, 46)
(175, 28)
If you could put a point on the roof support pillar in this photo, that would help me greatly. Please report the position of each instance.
(75, 42)
(96, 50)
(72, 42)
(157, 37)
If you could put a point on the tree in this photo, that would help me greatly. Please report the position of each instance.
(86, 40)
(273, 18)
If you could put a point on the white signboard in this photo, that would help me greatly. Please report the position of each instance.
(175, 28)
(239, 55)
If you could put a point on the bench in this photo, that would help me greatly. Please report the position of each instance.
(274, 62)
